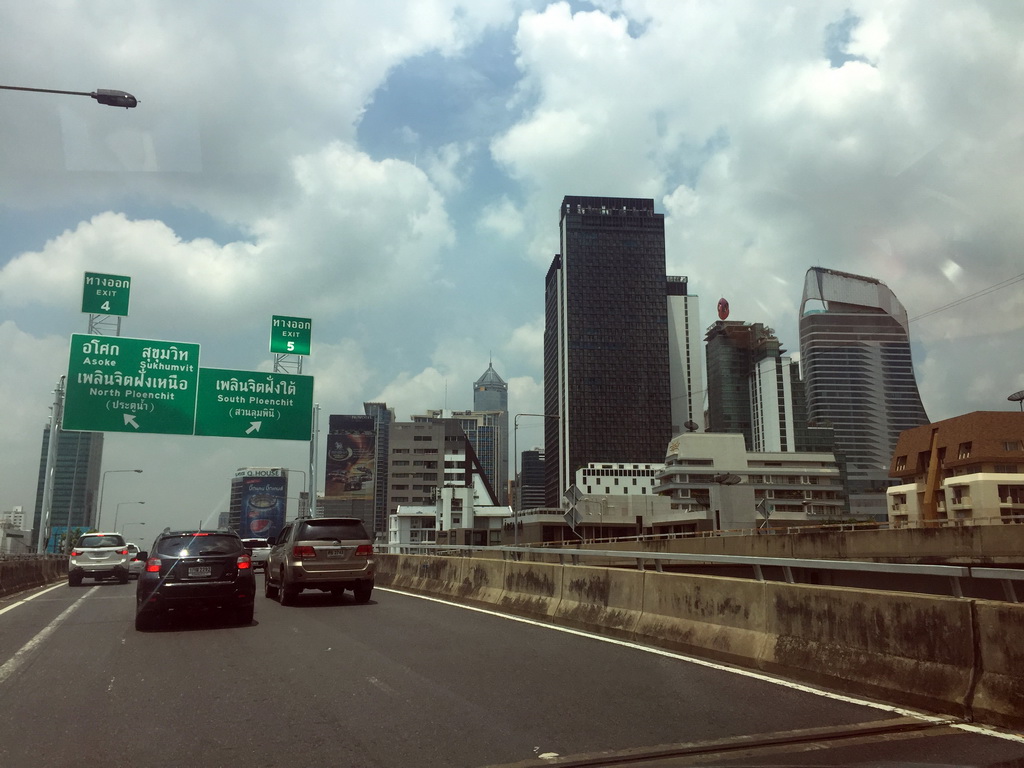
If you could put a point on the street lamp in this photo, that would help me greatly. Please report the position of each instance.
(134, 522)
(102, 95)
(117, 511)
(516, 468)
(103, 480)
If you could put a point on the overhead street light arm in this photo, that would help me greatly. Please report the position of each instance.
(106, 96)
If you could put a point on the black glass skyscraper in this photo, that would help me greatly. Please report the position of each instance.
(606, 344)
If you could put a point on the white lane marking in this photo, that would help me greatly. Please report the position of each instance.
(14, 605)
(937, 719)
(14, 663)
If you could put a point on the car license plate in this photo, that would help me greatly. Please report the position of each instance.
(198, 571)
(337, 553)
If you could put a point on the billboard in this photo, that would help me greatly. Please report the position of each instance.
(263, 505)
(351, 457)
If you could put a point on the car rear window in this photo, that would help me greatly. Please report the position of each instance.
(89, 542)
(331, 530)
(254, 543)
(188, 545)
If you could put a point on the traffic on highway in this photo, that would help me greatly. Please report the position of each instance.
(401, 680)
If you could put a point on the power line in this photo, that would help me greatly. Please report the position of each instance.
(963, 300)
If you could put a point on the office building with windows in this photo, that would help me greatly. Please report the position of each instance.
(76, 484)
(607, 386)
(859, 376)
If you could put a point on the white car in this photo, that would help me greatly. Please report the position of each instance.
(99, 556)
(135, 565)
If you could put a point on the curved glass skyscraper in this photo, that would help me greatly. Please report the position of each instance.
(855, 357)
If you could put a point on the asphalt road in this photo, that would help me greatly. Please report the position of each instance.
(407, 681)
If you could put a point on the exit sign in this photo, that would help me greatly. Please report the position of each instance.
(106, 294)
(290, 335)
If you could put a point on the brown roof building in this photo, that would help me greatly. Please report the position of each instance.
(968, 470)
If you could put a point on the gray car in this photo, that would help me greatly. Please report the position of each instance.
(330, 554)
(99, 556)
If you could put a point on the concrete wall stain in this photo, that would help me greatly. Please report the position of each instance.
(530, 581)
(593, 589)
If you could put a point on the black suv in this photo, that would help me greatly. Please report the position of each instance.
(189, 570)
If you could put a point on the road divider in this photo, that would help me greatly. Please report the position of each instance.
(944, 654)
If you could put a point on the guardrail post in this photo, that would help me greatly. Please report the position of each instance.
(788, 573)
(957, 591)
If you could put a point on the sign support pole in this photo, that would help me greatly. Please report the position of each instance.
(313, 459)
(56, 416)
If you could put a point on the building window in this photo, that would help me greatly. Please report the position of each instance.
(901, 463)
(1011, 445)
(964, 451)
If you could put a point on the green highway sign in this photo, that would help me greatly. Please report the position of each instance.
(106, 294)
(119, 384)
(290, 335)
(274, 406)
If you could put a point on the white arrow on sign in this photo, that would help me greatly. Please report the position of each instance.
(254, 426)
(129, 418)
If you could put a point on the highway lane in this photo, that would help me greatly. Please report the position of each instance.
(402, 681)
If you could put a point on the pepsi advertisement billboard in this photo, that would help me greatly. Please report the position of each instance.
(264, 501)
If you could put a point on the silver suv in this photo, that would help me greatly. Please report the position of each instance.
(99, 556)
(331, 554)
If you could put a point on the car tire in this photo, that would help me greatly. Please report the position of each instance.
(145, 621)
(244, 616)
(288, 593)
(122, 579)
(362, 590)
(337, 593)
(269, 590)
(75, 581)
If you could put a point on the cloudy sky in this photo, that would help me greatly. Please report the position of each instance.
(393, 171)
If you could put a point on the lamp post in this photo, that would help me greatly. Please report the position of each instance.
(103, 480)
(102, 95)
(301, 472)
(117, 512)
(515, 467)
(134, 522)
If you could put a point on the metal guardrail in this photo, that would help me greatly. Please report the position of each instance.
(955, 573)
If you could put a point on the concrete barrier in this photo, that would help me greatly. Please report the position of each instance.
(483, 581)
(943, 654)
(915, 650)
(705, 616)
(532, 589)
(999, 634)
(604, 600)
(23, 573)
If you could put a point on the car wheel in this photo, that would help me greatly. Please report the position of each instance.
(362, 591)
(122, 579)
(244, 616)
(75, 580)
(269, 590)
(288, 593)
(145, 621)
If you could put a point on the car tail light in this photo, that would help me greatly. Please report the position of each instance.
(153, 565)
(123, 551)
(301, 552)
(364, 550)
(244, 561)
(76, 553)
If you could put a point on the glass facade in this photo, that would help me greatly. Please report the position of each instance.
(606, 346)
(859, 375)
